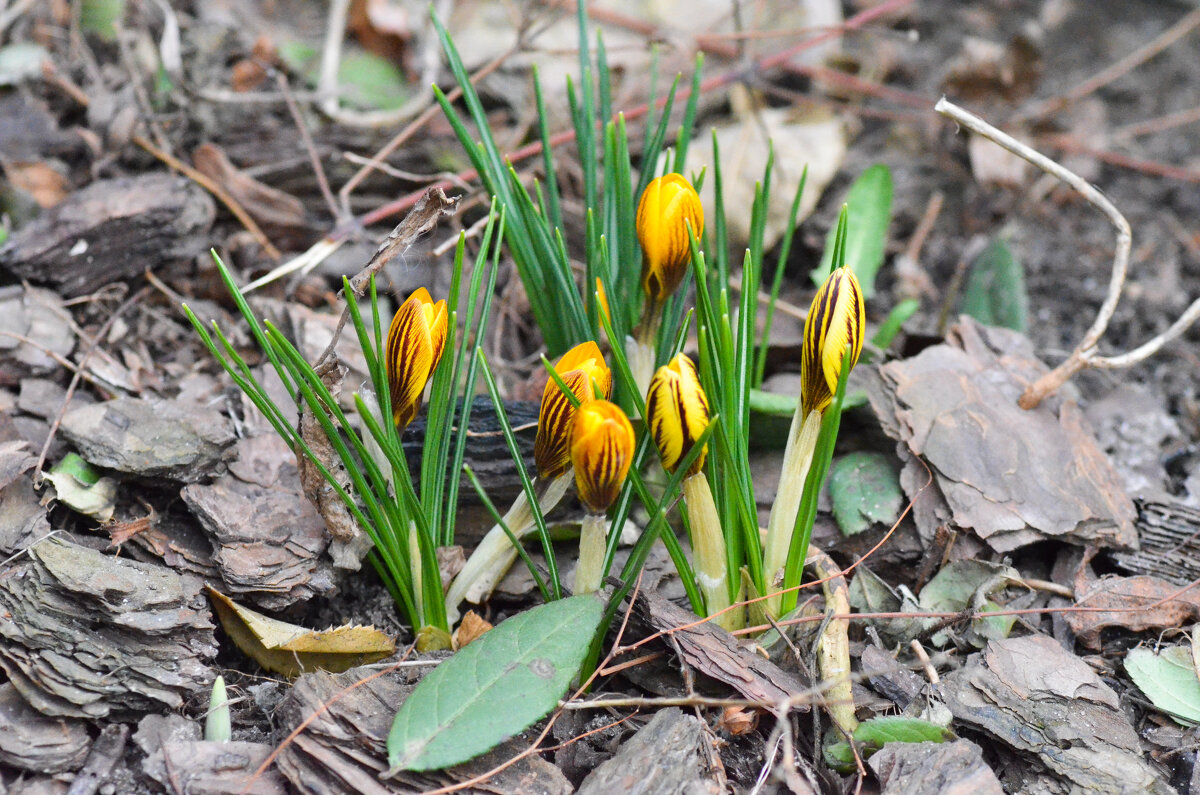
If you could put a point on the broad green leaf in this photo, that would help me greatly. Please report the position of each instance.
(963, 584)
(878, 732)
(1168, 679)
(499, 685)
(865, 487)
(101, 17)
(81, 488)
(869, 204)
(873, 734)
(369, 81)
(995, 292)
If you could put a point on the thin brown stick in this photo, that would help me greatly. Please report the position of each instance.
(215, 189)
(1084, 355)
(412, 128)
(309, 146)
(1118, 69)
(1157, 124)
(56, 356)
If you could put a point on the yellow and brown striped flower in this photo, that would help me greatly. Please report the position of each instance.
(602, 445)
(677, 412)
(415, 342)
(579, 368)
(835, 323)
(667, 206)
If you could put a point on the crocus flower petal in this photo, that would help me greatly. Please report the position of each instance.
(666, 208)
(677, 412)
(834, 324)
(602, 446)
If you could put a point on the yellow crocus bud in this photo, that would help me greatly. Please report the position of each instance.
(602, 444)
(668, 205)
(835, 322)
(415, 341)
(677, 412)
(579, 368)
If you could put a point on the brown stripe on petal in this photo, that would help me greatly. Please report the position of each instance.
(410, 358)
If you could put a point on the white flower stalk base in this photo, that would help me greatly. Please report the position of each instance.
(708, 551)
(495, 554)
(797, 459)
(641, 362)
(593, 539)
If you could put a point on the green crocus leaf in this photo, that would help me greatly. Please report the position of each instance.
(873, 734)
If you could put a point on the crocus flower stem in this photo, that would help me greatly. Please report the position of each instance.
(593, 538)
(495, 554)
(708, 550)
(797, 459)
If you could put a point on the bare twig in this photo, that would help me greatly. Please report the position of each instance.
(1122, 67)
(411, 129)
(433, 207)
(1084, 355)
(306, 137)
(10, 15)
(216, 190)
(331, 56)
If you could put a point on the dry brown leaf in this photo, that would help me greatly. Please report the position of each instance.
(713, 652)
(738, 721)
(40, 180)
(472, 627)
(291, 650)
(1133, 603)
(274, 209)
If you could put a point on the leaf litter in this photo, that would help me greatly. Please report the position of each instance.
(1034, 713)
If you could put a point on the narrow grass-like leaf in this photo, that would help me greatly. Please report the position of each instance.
(785, 250)
(891, 325)
(526, 482)
(689, 118)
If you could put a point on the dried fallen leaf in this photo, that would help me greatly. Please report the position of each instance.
(44, 183)
(472, 627)
(81, 488)
(1012, 476)
(278, 212)
(291, 650)
(738, 721)
(1133, 603)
